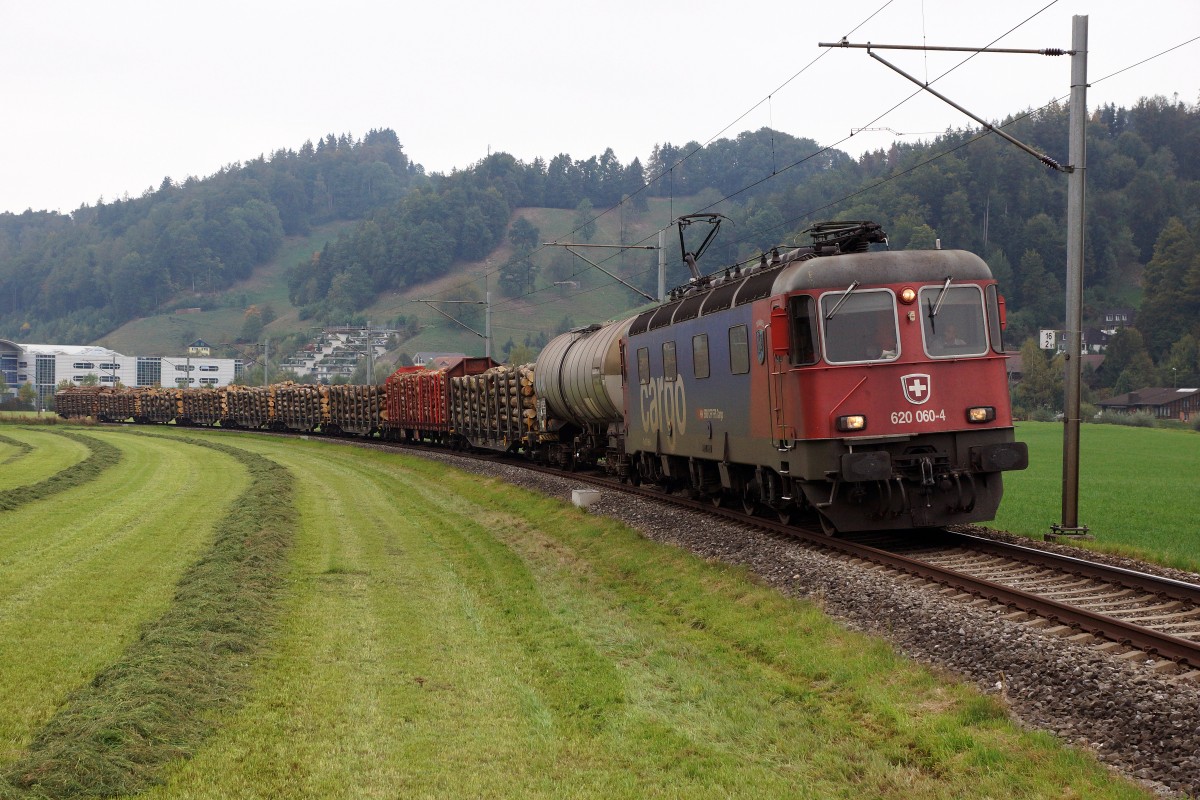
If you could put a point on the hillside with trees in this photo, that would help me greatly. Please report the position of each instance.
(74, 277)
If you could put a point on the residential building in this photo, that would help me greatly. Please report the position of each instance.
(1181, 404)
(337, 352)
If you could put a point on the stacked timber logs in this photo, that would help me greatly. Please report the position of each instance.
(199, 406)
(495, 407)
(528, 397)
(352, 409)
(115, 405)
(246, 406)
(77, 401)
(298, 405)
(156, 405)
(416, 400)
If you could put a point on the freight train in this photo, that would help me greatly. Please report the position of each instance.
(864, 386)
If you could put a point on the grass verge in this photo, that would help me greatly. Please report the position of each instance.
(450, 636)
(1136, 490)
(102, 456)
(155, 703)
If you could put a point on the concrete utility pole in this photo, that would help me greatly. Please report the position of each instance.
(487, 325)
(370, 355)
(1076, 185)
(1077, 171)
(662, 267)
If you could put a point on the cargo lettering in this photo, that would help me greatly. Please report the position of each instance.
(663, 406)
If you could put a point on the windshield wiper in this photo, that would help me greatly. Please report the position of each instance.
(841, 300)
(934, 308)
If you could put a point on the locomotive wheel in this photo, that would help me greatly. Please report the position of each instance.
(827, 525)
(749, 503)
(785, 515)
(716, 499)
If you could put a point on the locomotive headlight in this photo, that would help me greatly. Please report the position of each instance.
(981, 414)
(908, 295)
(852, 422)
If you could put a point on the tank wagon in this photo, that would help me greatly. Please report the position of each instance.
(865, 387)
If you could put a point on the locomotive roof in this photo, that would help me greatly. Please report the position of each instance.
(821, 272)
(885, 266)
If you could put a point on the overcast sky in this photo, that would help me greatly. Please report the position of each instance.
(104, 99)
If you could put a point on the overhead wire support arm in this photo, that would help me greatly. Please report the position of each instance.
(616, 278)
(456, 321)
(1045, 51)
(870, 48)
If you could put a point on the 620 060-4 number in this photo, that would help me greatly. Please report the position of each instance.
(921, 415)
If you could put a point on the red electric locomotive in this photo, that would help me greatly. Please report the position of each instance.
(868, 387)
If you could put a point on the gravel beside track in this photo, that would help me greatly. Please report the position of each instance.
(1136, 720)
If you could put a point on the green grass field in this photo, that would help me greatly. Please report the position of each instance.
(1137, 490)
(86, 568)
(433, 634)
(19, 466)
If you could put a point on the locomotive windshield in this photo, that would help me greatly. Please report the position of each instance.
(863, 329)
(957, 329)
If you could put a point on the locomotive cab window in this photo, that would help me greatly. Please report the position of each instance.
(952, 322)
(994, 327)
(803, 314)
(860, 326)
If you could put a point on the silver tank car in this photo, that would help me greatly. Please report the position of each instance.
(578, 374)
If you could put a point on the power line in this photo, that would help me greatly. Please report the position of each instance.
(828, 148)
(822, 150)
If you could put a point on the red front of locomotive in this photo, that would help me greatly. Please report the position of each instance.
(887, 391)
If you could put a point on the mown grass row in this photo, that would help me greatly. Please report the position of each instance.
(156, 703)
(102, 456)
(22, 449)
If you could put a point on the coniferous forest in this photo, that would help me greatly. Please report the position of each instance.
(74, 277)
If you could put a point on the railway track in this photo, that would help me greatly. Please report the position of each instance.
(1081, 599)
(1130, 614)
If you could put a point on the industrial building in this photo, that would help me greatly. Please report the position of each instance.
(45, 366)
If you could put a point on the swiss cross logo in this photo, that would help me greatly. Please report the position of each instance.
(916, 388)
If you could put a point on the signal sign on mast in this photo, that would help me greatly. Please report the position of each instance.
(1047, 340)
